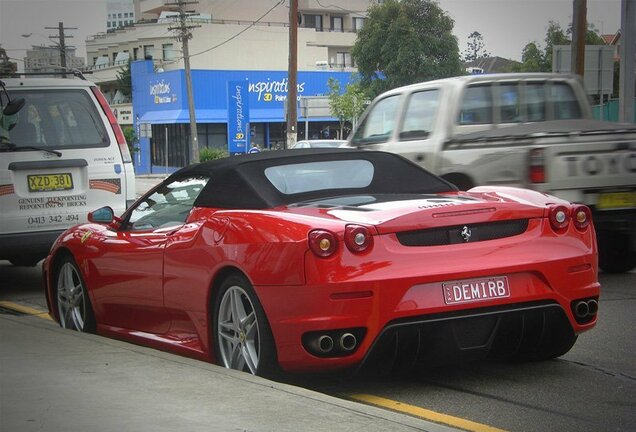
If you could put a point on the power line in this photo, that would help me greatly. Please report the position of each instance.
(242, 31)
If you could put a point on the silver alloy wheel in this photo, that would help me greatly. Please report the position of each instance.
(71, 303)
(238, 334)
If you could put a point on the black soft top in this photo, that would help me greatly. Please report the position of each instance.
(239, 182)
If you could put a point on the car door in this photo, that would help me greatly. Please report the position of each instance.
(132, 260)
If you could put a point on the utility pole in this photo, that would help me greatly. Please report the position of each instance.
(579, 28)
(628, 58)
(62, 44)
(184, 34)
(292, 115)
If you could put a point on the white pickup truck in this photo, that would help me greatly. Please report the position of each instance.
(527, 130)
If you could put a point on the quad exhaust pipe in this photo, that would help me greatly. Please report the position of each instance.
(322, 344)
(332, 344)
(347, 342)
(585, 309)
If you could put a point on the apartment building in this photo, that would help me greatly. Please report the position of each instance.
(120, 13)
(44, 59)
(231, 40)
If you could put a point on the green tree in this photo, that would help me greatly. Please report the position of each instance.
(536, 60)
(7, 67)
(405, 42)
(347, 106)
(554, 35)
(124, 80)
(475, 47)
(131, 139)
(532, 58)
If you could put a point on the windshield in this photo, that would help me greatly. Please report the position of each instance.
(61, 119)
(379, 124)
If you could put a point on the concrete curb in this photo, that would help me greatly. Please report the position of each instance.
(63, 380)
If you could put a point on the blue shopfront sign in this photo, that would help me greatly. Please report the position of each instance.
(238, 124)
(160, 98)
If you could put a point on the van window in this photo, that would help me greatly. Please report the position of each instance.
(509, 103)
(420, 114)
(63, 119)
(535, 102)
(564, 101)
(477, 105)
(378, 125)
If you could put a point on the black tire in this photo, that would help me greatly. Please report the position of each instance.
(71, 297)
(615, 254)
(235, 345)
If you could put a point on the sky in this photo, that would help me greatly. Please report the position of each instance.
(506, 25)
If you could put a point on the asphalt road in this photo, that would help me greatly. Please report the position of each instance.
(592, 388)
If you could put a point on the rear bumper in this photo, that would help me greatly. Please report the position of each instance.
(27, 244)
(395, 284)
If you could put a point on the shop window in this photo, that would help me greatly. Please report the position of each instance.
(358, 23)
(336, 23)
(168, 51)
(313, 21)
(149, 51)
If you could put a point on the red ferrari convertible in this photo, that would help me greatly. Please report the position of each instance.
(325, 259)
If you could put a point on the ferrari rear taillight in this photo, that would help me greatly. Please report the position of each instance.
(582, 217)
(559, 217)
(536, 167)
(119, 134)
(358, 238)
(323, 243)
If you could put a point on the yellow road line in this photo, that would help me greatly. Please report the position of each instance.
(433, 416)
(25, 309)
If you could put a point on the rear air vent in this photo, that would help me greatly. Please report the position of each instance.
(463, 233)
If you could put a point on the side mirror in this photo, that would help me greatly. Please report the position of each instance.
(104, 215)
(13, 107)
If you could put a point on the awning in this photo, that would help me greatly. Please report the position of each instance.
(219, 116)
(164, 117)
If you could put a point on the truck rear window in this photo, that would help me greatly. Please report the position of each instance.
(60, 118)
(518, 102)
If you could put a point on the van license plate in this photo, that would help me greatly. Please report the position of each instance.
(50, 182)
(474, 290)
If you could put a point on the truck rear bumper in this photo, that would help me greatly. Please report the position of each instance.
(30, 245)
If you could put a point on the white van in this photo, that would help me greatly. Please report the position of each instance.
(62, 155)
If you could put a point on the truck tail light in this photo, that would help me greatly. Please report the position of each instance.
(323, 243)
(581, 217)
(559, 217)
(358, 238)
(119, 134)
(536, 160)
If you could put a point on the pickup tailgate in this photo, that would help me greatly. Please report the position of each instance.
(580, 158)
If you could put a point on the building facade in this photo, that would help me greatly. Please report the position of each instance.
(120, 13)
(232, 41)
(45, 59)
(237, 34)
(161, 113)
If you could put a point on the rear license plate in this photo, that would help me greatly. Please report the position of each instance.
(474, 290)
(50, 182)
(616, 200)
